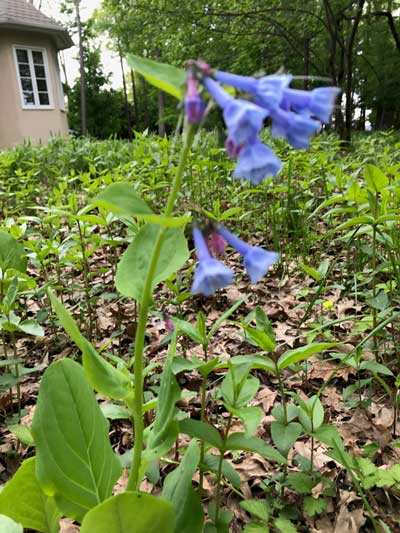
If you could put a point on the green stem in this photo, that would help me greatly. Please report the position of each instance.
(134, 481)
(219, 471)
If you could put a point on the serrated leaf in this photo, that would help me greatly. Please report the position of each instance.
(313, 506)
(75, 461)
(23, 500)
(130, 511)
(284, 526)
(300, 482)
(166, 77)
(257, 508)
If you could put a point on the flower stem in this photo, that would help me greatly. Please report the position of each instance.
(134, 478)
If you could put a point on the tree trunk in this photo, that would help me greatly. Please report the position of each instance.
(127, 110)
(146, 118)
(161, 108)
(135, 99)
(81, 70)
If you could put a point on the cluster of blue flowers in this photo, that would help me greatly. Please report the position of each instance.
(295, 115)
(212, 275)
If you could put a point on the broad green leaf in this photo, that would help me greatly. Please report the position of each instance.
(130, 512)
(11, 294)
(114, 411)
(378, 368)
(327, 434)
(105, 378)
(284, 436)
(75, 461)
(188, 329)
(23, 433)
(166, 77)
(251, 418)
(122, 198)
(238, 395)
(311, 272)
(314, 418)
(304, 352)
(23, 500)
(212, 462)
(31, 327)
(12, 253)
(279, 414)
(239, 441)
(7, 525)
(201, 430)
(135, 262)
(261, 362)
(262, 339)
(255, 527)
(165, 428)
(375, 178)
(178, 489)
(257, 508)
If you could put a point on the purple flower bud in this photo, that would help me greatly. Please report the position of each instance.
(257, 162)
(210, 274)
(194, 105)
(169, 325)
(216, 243)
(257, 261)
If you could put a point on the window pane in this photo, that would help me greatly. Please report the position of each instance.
(37, 58)
(22, 56)
(39, 71)
(41, 85)
(26, 84)
(24, 71)
(28, 98)
(44, 99)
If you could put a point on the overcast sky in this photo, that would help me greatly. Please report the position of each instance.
(110, 60)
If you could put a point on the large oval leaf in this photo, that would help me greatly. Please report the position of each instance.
(166, 77)
(23, 500)
(75, 461)
(130, 512)
(304, 352)
(133, 267)
(12, 253)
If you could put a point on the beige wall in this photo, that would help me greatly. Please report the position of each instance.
(16, 123)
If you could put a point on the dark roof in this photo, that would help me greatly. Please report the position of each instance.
(21, 14)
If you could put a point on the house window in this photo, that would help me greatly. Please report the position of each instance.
(34, 77)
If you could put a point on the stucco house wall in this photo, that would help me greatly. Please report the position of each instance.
(17, 123)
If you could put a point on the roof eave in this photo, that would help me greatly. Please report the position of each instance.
(61, 37)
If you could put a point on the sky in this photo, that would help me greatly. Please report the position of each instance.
(110, 60)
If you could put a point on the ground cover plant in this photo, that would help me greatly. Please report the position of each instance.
(270, 405)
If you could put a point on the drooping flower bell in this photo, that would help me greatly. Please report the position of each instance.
(257, 162)
(256, 260)
(296, 128)
(194, 104)
(243, 119)
(318, 103)
(210, 274)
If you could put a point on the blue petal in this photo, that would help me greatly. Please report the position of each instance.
(244, 120)
(270, 89)
(323, 101)
(210, 276)
(257, 262)
(257, 162)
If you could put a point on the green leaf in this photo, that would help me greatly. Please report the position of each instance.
(12, 253)
(188, 329)
(327, 434)
(201, 430)
(178, 489)
(251, 417)
(239, 441)
(165, 428)
(106, 379)
(262, 339)
(255, 527)
(314, 418)
(300, 482)
(284, 436)
(9, 526)
(257, 508)
(284, 526)
(380, 301)
(23, 500)
(237, 395)
(166, 77)
(23, 433)
(135, 262)
(11, 294)
(128, 512)
(31, 327)
(311, 272)
(261, 362)
(378, 368)
(375, 178)
(75, 461)
(122, 198)
(313, 506)
(304, 352)
(211, 462)
(114, 411)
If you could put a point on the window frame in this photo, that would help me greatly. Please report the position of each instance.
(36, 106)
